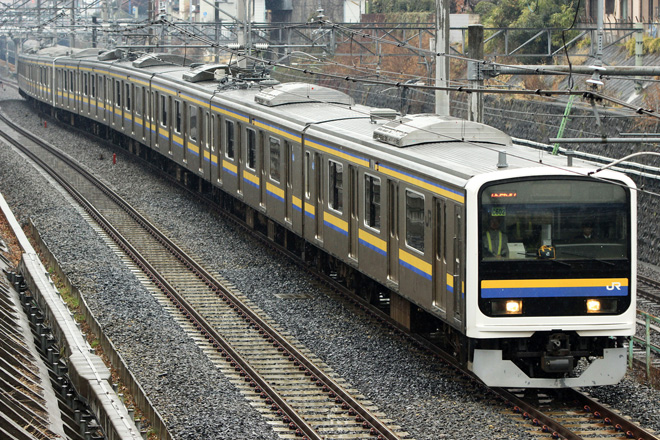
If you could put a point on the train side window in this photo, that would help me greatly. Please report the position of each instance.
(163, 113)
(193, 123)
(275, 152)
(372, 202)
(118, 97)
(336, 185)
(127, 94)
(177, 116)
(229, 132)
(251, 149)
(415, 220)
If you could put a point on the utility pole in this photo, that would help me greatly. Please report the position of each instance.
(72, 38)
(242, 28)
(441, 61)
(476, 52)
(639, 53)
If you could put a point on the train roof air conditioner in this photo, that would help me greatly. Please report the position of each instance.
(297, 93)
(427, 128)
(161, 59)
(206, 72)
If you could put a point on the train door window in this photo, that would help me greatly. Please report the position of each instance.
(85, 84)
(372, 202)
(251, 149)
(108, 91)
(212, 134)
(163, 110)
(177, 116)
(308, 167)
(118, 96)
(127, 96)
(71, 82)
(275, 153)
(229, 132)
(415, 220)
(65, 86)
(192, 127)
(207, 130)
(336, 185)
(92, 83)
(139, 100)
(200, 127)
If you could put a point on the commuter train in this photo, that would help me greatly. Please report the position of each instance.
(522, 263)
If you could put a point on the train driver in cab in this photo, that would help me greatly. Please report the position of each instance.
(587, 233)
(494, 241)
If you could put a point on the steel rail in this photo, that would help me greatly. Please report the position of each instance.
(346, 398)
(153, 274)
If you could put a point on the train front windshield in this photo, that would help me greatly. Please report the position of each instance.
(554, 247)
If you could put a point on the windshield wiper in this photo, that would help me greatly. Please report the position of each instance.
(586, 257)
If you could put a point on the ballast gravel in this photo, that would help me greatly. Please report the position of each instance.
(196, 401)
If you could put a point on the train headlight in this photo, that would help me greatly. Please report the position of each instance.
(507, 307)
(593, 306)
(601, 305)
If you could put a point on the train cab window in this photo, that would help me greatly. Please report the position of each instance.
(275, 151)
(336, 186)
(193, 124)
(118, 96)
(229, 132)
(251, 149)
(177, 116)
(127, 94)
(372, 202)
(163, 110)
(415, 220)
(560, 220)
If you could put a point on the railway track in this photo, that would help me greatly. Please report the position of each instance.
(289, 384)
(293, 388)
(648, 330)
(648, 288)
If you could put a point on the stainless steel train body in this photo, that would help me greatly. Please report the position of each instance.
(406, 202)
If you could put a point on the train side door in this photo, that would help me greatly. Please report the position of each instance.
(317, 166)
(288, 169)
(263, 177)
(454, 245)
(393, 234)
(205, 148)
(442, 292)
(353, 227)
(239, 158)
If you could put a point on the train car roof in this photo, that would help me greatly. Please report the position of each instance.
(459, 156)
